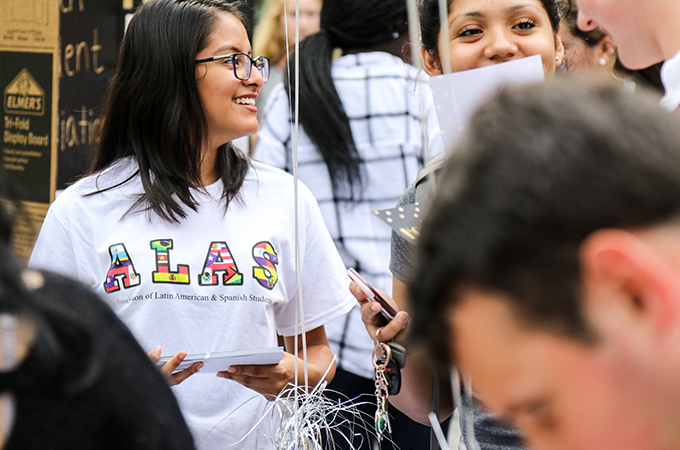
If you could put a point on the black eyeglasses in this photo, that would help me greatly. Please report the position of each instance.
(242, 64)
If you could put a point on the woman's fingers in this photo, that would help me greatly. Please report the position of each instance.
(154, 355)
(169, 368)
(178, 377)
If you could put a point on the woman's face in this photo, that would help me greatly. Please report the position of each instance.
(310, 18)
(486, 32)
(228, 103)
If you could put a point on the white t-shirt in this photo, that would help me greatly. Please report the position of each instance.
(670, 77)
(214, 282)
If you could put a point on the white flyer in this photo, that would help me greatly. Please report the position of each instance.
(457, 95)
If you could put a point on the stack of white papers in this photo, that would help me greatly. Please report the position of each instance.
(220, 361)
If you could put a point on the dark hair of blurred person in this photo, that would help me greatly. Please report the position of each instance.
(71, 374)
(548, 268)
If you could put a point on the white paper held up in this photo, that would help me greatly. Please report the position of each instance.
(457, 95)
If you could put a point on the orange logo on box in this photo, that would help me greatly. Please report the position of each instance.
(24, 96)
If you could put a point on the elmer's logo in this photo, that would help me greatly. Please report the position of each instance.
(24, 96)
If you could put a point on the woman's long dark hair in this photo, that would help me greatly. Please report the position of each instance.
(428, 13)
(347, 24)
(153, 110)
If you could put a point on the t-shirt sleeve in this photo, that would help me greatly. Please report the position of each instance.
(53, 250)
(274, 134)
(402, 250)
(325, 284)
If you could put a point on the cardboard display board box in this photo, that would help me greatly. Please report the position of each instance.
(55, 60)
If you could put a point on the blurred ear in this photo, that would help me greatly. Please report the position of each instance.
(628, 283)
(431, 64)
(605, 49)
(559, 47)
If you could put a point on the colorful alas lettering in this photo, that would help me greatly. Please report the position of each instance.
(219, 261)
(163, 274)
(265, 272)
(219, 267)
(121, 269)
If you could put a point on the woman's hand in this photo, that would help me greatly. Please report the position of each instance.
(268, 380)
(170, 366)
(374, 322)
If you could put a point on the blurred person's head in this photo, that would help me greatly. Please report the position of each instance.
(45, 349)
(644, 32)
(486, 32)
(584, 51)
(310, 16)
(549, 269)
(270, 33)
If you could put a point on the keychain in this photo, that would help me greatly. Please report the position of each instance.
(393, 367)
(382, 420)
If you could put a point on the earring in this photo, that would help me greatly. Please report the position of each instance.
(557, 58)
(395, 35)
(602, 61)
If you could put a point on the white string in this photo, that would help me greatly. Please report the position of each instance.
(417, 62)
(439, 434)
(300, 311)
(414, 34)
(295, 178)
(470, 421)
(444, 49)
(290, 111)
(321, 417)
(285, 32)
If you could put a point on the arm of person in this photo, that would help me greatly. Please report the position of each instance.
(417, 377)
(169, 367)
(269, 380)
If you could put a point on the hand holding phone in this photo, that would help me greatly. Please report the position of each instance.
(386, 309)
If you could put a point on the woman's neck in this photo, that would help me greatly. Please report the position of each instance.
(209, 172)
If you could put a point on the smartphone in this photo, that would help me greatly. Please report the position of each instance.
(387, 310)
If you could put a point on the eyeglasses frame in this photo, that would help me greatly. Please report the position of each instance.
(253, 62)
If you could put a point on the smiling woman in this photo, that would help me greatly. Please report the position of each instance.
(167, 184)
(482, 33)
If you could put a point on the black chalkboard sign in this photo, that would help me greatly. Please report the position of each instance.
(90, 32)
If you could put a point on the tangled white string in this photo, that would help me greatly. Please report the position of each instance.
(309, 420)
